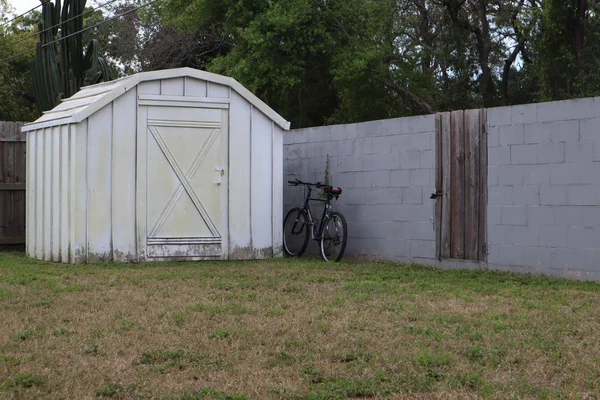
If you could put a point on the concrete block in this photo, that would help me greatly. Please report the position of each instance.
(372, 179)
(575, 173)
(523, 154)
(422, 123)
(413, 213)
(318, 134)
(499, 235)
(422, 248)
(568, 216)
(412, 195)
(337, 132)
(498, 156)
(492, 176)
(537, 133)
(536, 175)
(314, 150)
(493, 139)
(538, 257)
(363, 146)
(553, 236)
(381, 144)
(288, 138)
(555, 195)
(584, 195)
(590, 216)
(354, 196)
(514, 215)
(511, 134)
(499, 116)
(350, 163)
(420, 177)
(551, 111)
(293, 152)
(579, 152)
(350, 131)
(589, 130)
(564, 131)
(427, 159)
(526, 195)
(494, 215)
(500, 195)
(418, 231)
(524, 114)
(524, 235)
(550, 153)
(301, 135)
(378, 162)
(316, 165)
(540, 215)
(579, 108)
(510, 175)
(511, 255)
(583, 238)
(376, 212)
(597, 107)
(421, 141)
(398, 143)
(400, 178)
(383, 196)
(370, 129)
(576, 259)
(410, 159)
(378, 178)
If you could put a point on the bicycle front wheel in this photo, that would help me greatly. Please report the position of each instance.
(334, 237)
(295, 232)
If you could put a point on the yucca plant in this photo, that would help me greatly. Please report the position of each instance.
(60, 69)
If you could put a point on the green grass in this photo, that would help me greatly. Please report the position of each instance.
(293, 329)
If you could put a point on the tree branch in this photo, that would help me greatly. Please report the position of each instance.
(409, 96)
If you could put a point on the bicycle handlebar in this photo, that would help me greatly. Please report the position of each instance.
(297, 182)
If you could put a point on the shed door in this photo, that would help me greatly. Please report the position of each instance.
(186, 183)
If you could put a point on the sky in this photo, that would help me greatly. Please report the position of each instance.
(22, 6)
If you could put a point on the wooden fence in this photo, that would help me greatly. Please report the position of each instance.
(12, 186)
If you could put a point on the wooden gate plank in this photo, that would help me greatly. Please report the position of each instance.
(483, 185)
(457, 227)
(472, 182)
(446, 170)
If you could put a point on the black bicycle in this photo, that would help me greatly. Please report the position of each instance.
(330, 231)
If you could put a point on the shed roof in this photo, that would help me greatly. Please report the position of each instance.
(93, 98)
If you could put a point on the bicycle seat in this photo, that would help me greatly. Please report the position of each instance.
(333, 190)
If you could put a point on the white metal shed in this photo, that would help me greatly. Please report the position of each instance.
(175, 164)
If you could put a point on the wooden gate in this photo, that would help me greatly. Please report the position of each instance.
(461, 185)
(12, 186)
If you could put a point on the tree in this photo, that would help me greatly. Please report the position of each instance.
(16, 98)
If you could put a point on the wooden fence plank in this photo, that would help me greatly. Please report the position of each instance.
(12, 184)
(472, 137)
(457, 242)
(446, 171)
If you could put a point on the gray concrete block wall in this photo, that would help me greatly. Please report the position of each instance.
(387, 172)
(544, 188)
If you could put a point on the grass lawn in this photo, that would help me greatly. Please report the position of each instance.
(293, 329)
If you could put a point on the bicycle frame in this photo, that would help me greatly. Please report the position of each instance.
(316, 235)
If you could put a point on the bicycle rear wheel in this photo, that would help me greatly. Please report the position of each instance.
(295, 232)
(334, 237)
